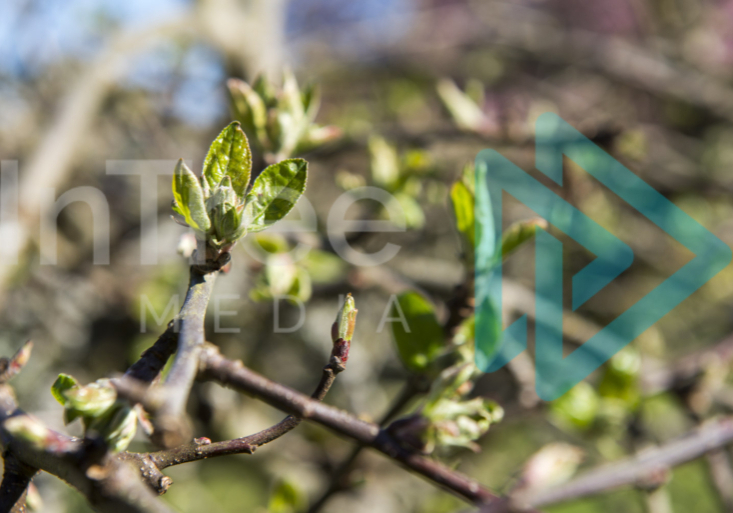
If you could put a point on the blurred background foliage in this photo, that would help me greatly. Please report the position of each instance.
(417, 88)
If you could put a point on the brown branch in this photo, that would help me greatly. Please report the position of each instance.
(108, 483)
(152, 361)
(459, 308)
(202, 448)
(171, 426)
(637, 470)
(233, 374)
(340, 476)
(16, 478)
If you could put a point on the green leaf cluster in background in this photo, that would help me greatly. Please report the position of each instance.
(219, 206)
(406, 176)
(98, 408)
(475, 224)
(286, 497)
(448, 418)
(280, 121)
(604, 410)
(286, 275)
(465, 107)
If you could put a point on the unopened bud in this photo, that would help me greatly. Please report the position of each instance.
(343, 328)
(33, 432)
(117, 427)
(92, 399)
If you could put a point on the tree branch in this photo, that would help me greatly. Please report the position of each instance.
(16, 478)
(152, 361)
(645, 466)
(233, 374)
(202, 448)
(108, 483)
(171, 427)
(339, 479)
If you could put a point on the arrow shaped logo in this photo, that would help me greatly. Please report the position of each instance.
(495, 174)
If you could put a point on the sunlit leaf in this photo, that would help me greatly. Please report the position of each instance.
(416, 330)
(189, 198)
(117, 427)
(577, 408)
(229, 155)
(464, 110)
(324, 267)
(62, 384)
(464, 211)
(384, 162)
(274, 193)
(249, 108)
(519, 233)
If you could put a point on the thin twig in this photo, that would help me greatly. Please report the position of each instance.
(202, 448)
(233, 374)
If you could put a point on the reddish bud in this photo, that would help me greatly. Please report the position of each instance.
(341, 350)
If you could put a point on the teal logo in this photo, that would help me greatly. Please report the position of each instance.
(556, 373)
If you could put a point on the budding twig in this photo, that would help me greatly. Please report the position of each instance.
(201, 448)
(107, 482)
(233, 374)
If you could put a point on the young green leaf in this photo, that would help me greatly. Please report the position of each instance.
(91, 400)
(274, 193)
(324, 267)
(231, 227)
(463, 208)
(30, 430)
(464, 111)
(414, 215)
(385, 164)
(519, 233)
(291, 100)
(578, 408)
(248, 105)
(311, 96)
(264, 90)
(189, 198)
(271, 242)
(416, 330)
(345, 320)
(229, 155)
(62, 384)
(302, 287)
(117, 426)
(281, 273)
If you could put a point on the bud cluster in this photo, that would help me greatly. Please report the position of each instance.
(280, 120)
(101, 413)
(221, 206)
